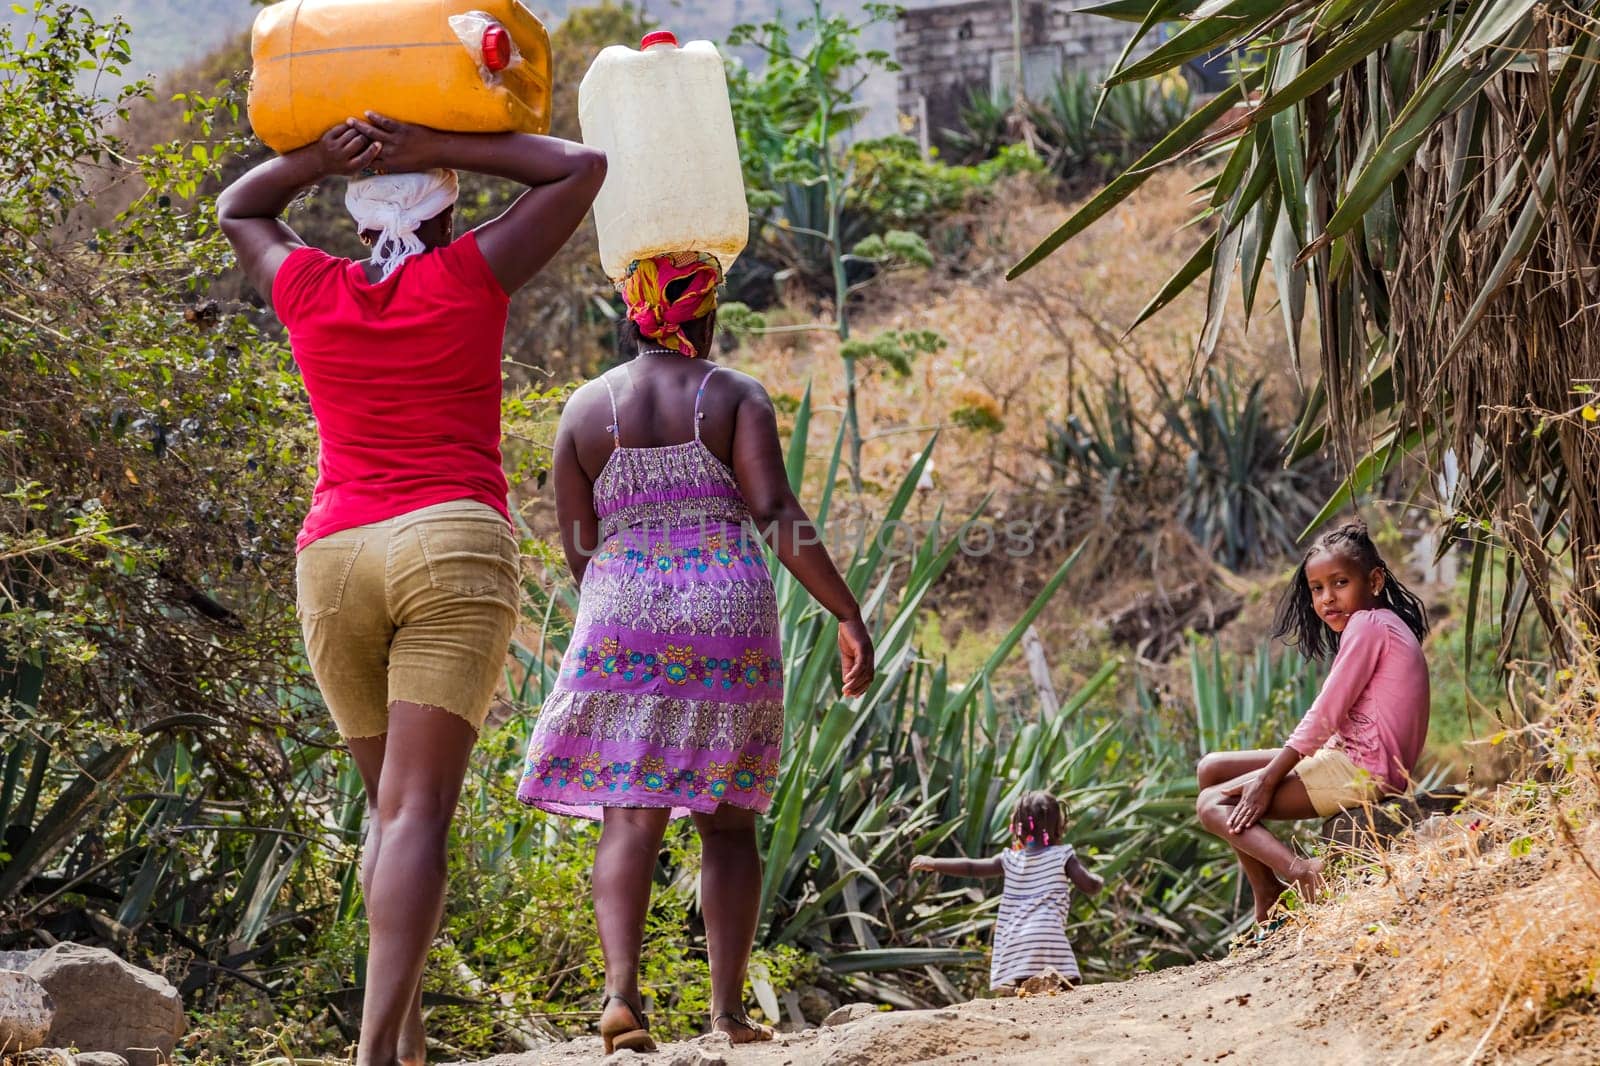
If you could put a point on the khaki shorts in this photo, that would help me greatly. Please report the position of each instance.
(1334, 783)
(416, 608)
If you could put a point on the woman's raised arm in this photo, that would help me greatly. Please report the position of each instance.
(563, 180)
(248, 209)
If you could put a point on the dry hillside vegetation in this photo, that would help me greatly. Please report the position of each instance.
(1022, 349)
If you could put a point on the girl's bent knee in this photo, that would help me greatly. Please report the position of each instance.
(1213, 814)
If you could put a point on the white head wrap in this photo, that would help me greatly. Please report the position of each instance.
(394, 205)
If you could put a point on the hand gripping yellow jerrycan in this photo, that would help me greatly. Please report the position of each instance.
(469, 66)
(673, 180)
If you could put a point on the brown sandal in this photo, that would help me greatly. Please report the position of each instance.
(743, 1021)
(634, 1037)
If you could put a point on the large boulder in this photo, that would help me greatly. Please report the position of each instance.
(25, 1012)
(104, 1004)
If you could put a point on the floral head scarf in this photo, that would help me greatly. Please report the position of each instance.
(659, 317)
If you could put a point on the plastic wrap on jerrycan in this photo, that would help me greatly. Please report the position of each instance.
(318, 62)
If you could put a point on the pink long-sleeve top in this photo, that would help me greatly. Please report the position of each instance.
(1374, 704)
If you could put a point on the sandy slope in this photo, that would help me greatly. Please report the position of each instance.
(1259, 1007)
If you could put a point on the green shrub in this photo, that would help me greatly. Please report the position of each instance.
(894, 186)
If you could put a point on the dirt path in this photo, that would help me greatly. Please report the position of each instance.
(1256, 1008)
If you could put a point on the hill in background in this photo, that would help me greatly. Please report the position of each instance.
(167, 34)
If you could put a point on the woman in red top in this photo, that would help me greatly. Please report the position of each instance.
(407, 578)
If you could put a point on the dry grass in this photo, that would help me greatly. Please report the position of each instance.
(1483, 929)
(1021, 349)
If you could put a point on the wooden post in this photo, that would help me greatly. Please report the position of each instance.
(1039, 670)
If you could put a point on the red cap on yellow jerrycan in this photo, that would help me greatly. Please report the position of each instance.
(496, 48)
(655, 37)
(318, 62)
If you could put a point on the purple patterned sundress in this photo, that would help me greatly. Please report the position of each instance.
(671, 690)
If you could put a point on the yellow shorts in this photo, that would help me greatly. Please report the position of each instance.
(416, 608)
(1334, 783)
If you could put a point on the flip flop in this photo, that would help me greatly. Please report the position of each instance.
(743, 1021)
(1267, 928)
(634, 1037)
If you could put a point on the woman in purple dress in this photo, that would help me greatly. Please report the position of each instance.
(668, 475)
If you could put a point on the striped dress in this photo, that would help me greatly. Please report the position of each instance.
(1030, 933)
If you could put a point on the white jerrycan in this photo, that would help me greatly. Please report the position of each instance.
(673, 181)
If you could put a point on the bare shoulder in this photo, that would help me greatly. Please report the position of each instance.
(742, 387)
(589, 401)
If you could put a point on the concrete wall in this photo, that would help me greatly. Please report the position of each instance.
(949, 50)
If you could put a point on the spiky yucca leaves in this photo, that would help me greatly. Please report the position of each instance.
(1425, 172)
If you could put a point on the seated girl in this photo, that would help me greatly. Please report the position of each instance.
(1361, 738)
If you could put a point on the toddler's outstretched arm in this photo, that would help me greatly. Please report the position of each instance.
(1088, 883)
(958, 867)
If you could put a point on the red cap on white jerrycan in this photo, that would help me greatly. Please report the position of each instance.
(655, 37)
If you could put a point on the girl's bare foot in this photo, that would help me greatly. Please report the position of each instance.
(1266, 898)
(1306, 876)
(740, 1029)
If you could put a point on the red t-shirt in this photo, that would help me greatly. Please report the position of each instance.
(404, 379)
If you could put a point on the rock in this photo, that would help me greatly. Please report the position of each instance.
(1047, 983)
(18, 960)
(850, 1012)
(816, 1004)
(44, 1056)
(25, 1012)
(104, 1004)
(100, 1058)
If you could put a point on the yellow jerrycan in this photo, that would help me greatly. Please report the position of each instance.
(470, 66)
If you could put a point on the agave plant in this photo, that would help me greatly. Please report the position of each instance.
(1088, 129)
(1105, 446)
(1239, 499)
(1249, 703)
(1424, 172)
(985, 125)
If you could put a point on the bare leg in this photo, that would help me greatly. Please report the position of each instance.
(1289, 803)
(624, 864)
(1219, 768)
(730, 900)
(423, 767)
(411, 1049)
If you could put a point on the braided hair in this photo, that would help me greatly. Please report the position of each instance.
(1037, 819)
(1297, 621)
